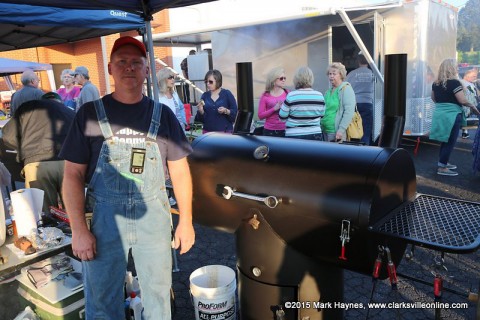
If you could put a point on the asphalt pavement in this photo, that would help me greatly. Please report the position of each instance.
(462, 274)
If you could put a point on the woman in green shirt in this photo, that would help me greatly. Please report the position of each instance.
(340, 104)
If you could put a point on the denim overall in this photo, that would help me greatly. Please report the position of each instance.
(129, 211)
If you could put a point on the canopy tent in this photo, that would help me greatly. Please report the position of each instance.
(26, 26)
(142, 8)
(11, 66)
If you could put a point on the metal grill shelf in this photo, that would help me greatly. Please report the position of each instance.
(439, 223)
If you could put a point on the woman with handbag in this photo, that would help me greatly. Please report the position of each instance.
(448, 95)
(340, 104)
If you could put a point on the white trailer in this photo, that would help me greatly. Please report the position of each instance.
(289, 33)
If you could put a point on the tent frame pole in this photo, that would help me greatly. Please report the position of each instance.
(151, 56)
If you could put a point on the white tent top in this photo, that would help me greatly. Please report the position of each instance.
(11, 66)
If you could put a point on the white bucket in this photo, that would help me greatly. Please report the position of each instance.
(213, 291)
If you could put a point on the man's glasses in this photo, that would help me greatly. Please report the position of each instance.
(209, 81)
(171, 77)
(282, 78)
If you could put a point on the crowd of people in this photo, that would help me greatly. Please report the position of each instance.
(302, 113)
(305, 113)
(124, 146)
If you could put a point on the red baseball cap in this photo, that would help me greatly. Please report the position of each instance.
(127, 40)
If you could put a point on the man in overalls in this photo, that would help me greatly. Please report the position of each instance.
(121, 146)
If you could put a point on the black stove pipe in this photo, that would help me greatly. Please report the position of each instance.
(244, 98)
(394, 95)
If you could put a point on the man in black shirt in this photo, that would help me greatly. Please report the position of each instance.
(121, 146)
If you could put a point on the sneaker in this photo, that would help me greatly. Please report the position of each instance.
(465, 135)
(446, 172)
(448, 166)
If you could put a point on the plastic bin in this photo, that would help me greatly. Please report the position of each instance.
(53, 301)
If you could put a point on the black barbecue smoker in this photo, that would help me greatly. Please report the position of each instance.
(303, 210)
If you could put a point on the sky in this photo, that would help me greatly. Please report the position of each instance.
(457, 3)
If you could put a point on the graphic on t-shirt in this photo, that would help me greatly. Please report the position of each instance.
(127, 135)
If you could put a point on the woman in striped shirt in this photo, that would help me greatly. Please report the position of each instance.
(303, 108)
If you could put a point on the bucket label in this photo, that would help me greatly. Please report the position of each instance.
(223, 315)
(212, 305)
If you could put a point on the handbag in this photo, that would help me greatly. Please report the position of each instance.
(469, 91)
(355, 128)
(466, 111)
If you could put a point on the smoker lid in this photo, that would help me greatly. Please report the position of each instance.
(438, 223)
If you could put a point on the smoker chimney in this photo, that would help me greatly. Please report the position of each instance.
(244, 98)
(394, 94)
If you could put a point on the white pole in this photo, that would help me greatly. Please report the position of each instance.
(105, 64)
(151, 54)
(359, 41)
(179, 75)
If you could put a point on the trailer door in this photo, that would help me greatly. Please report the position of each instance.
(319, 57)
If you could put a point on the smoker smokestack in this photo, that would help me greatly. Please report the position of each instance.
(394, 94)
(244, 98)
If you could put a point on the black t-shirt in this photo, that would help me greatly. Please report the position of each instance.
(447, 94)
(129, 122)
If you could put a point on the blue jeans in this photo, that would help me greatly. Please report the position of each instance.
(446, 148)
(366, 111)
(273, 133)
(316, 136)
(129, 211)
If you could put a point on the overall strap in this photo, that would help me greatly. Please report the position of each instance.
(102, 119)
(155, 123)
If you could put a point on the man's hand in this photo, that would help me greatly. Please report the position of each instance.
(184, 237)
(84, 245)
(182, 186)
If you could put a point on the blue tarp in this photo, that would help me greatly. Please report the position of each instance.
(28, 32)
(26, 26)
(39, 23)
(21, 14)
(145, 7)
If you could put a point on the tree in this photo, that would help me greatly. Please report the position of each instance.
(468, 36)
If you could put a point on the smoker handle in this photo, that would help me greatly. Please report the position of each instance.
(269, 201)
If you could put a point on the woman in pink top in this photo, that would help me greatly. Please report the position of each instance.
(69, 92)
(271, 101)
